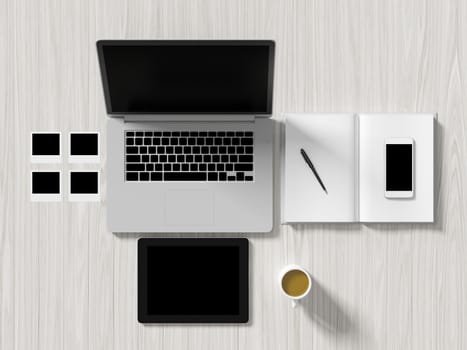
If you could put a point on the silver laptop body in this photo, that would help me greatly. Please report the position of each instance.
(189, 135)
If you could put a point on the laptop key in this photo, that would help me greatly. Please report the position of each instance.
(243, 167)
(184, 176)
(231, 178)
(172, 158)
(248, 178)
(130, 141)
(144, 176)
(212, 176)
(198, 158)
(185, 167)
(145, 158)
(175, 167)
(247, 141)
(240, 176)
(133, 158)
(202, 167)
(155, 176)
(167, 167)
(249, 150)
(147, 141)
(132, 150)
(245, 159)
(165, 141)
(222, 176)
(158, 167)
(132, 176)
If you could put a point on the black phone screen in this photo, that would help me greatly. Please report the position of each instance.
(399, 167)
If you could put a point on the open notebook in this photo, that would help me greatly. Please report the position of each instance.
(347, 151)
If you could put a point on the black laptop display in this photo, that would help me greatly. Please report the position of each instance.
(194, 280)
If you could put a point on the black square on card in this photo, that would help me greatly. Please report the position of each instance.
(84, 144)
(45, 144)
(45, 182)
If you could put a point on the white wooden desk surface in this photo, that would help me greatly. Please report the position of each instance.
(68, 283)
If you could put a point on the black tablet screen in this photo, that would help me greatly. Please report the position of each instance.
(194, 282)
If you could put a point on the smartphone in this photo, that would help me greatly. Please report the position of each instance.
(399, 159)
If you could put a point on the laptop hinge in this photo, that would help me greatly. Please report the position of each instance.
(189, 118)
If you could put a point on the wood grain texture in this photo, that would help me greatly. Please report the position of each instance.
(68, 283)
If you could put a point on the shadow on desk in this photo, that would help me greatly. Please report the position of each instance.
(326, 312)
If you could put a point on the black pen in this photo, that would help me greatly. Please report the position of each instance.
(310, 164)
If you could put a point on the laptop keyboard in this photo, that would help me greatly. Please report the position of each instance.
(219, 156)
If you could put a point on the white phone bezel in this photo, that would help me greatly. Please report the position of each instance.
(399, 141)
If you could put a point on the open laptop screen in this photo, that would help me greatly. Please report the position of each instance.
(170, 77)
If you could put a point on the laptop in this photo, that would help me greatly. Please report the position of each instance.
(189, 135)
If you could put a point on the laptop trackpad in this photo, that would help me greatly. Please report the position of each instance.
(189, 207)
